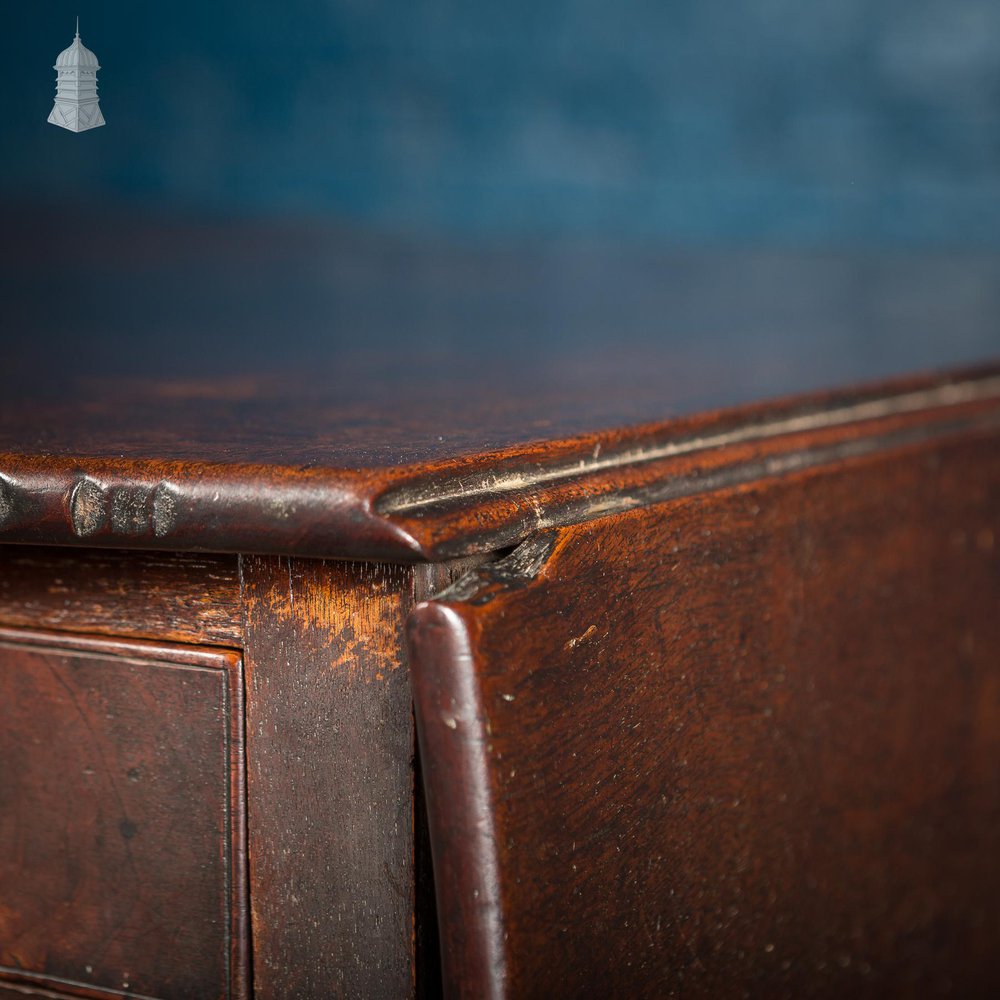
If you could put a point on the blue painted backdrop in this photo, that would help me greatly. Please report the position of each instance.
(742, 121)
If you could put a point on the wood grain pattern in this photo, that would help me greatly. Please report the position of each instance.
(189, 476)
(735, 744)
(338, 878)
(330, 749)
(180, 597)
(19, 992)
(122, 836)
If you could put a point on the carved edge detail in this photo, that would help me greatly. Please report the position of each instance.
(473, 504)
(129, 510)
(408, 499)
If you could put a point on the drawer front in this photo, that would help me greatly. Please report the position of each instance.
(122, 827)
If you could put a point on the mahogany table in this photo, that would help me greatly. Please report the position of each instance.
(642, 671)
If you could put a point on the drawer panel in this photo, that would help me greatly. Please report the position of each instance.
(122, 826)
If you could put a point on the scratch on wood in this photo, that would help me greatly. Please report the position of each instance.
(573, 643)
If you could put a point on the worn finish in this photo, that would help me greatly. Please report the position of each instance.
(122, 836)
(361, 770)
(271, 466)
(340, 879)
(19, 992)
(740, 743)
(182, 597)
(330, 750)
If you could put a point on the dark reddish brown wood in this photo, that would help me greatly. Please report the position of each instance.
(338, 879)
(122, 827)
(19, 992)
(740, 743)
(503, 501)
(183, 597)
(330, 751)
(368, 470)
(430, 579)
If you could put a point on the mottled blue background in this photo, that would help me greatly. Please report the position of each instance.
(840, 123)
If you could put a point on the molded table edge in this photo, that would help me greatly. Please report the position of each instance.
(475, 502)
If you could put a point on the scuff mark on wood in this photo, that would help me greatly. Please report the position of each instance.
(165, 498)
(131, 510)
(574, 642)
(88, 505)
(6, 499)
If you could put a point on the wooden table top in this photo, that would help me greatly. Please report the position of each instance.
(217, 386)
